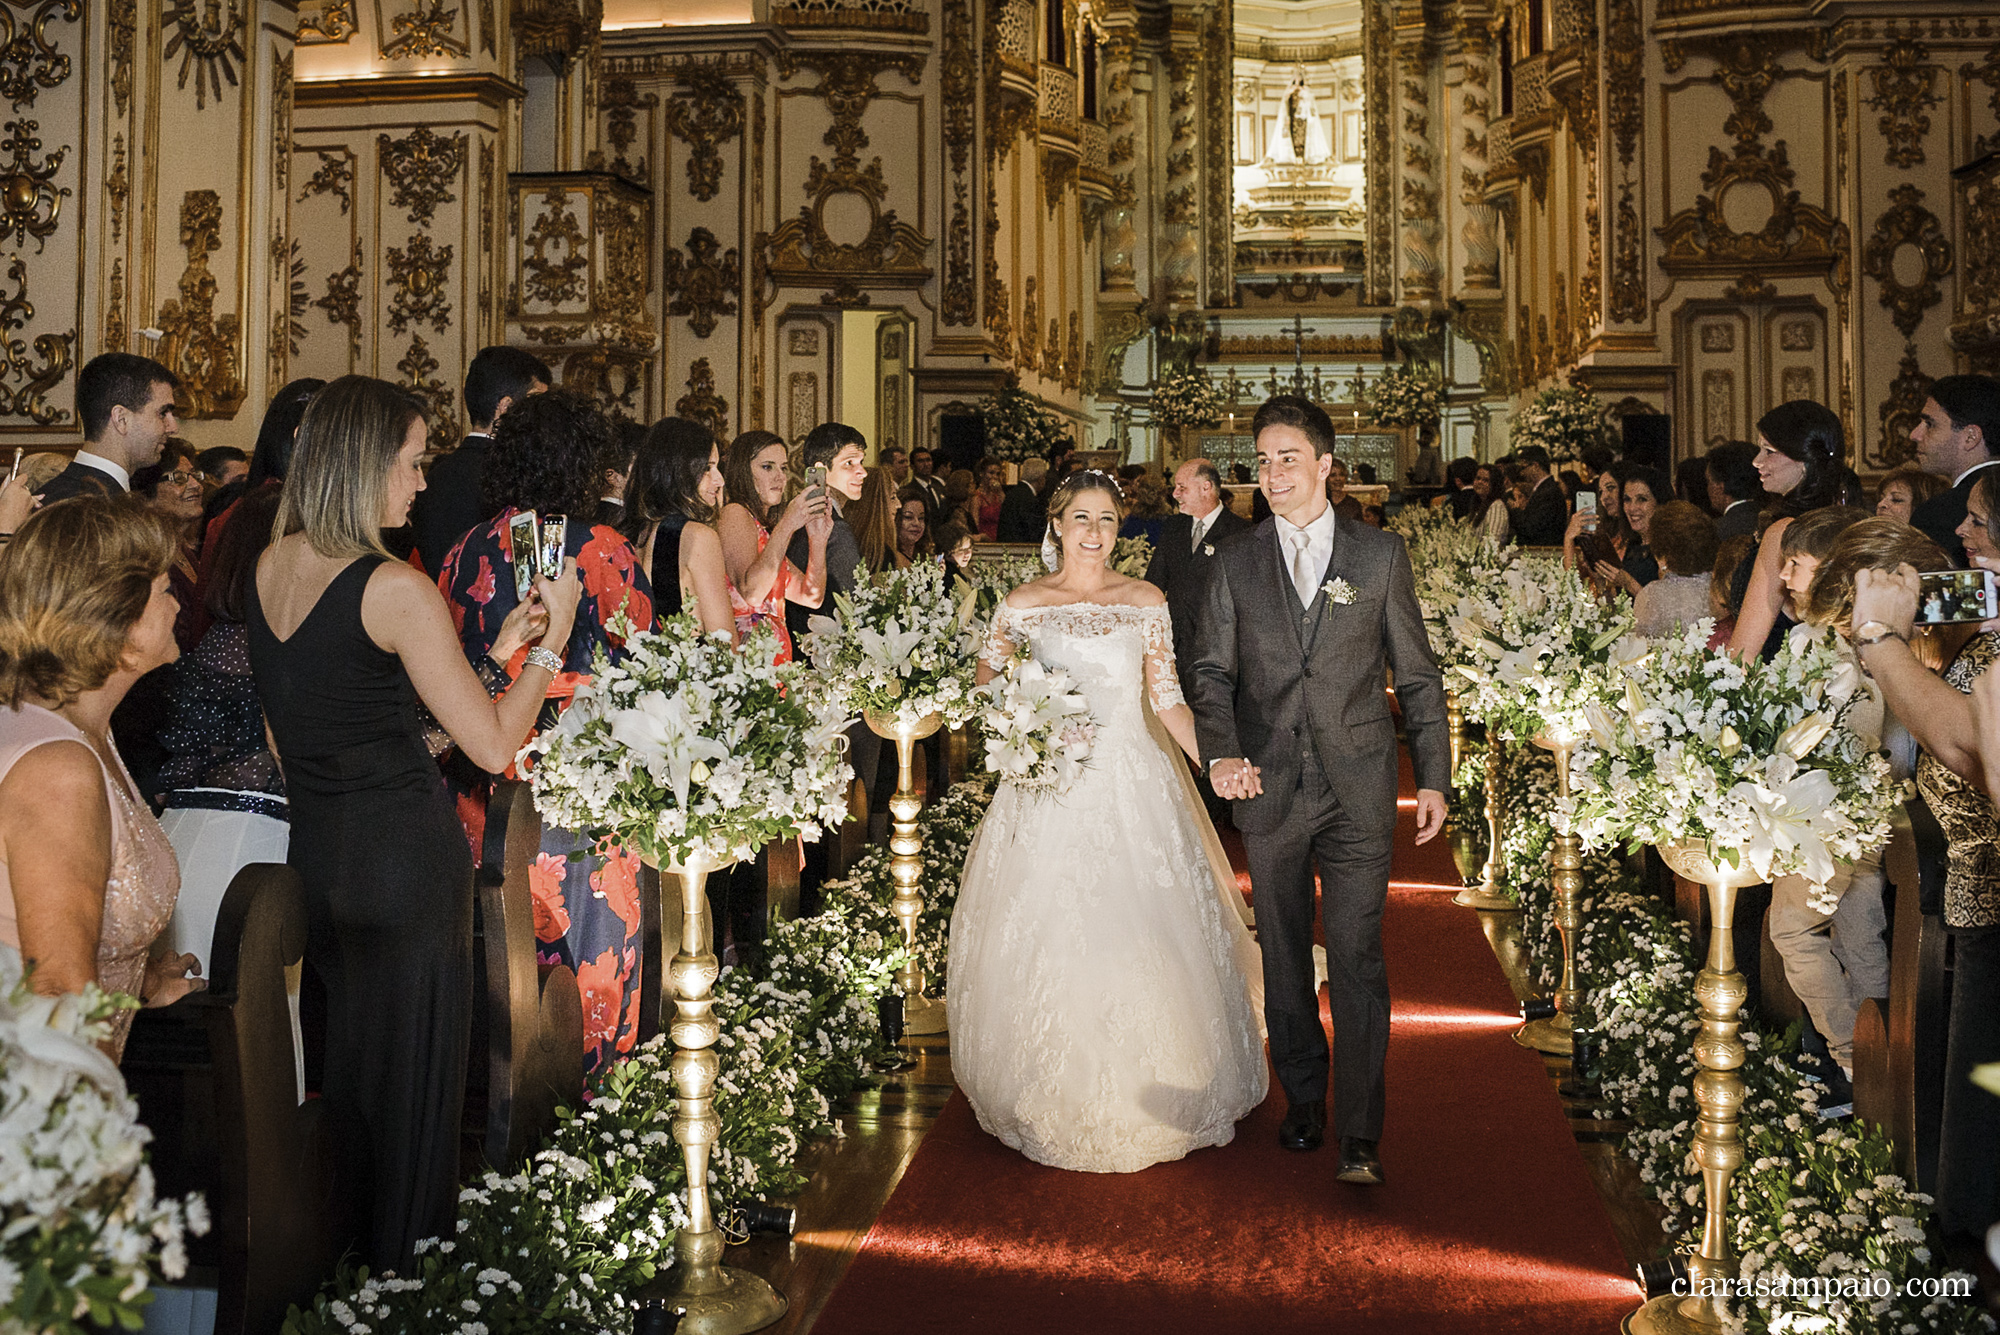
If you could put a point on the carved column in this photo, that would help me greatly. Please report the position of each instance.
(1121, 236)
(1481, 267)
(1417, 159)
(1180, 209)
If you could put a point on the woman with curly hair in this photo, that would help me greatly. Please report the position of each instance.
(547, 455)
(671, 499)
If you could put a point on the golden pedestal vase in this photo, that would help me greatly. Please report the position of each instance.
(1718, 1093)
(1553, 1036)
(1486, 895)
(921, 1014)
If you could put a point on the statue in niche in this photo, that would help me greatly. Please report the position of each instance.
(1303, 138)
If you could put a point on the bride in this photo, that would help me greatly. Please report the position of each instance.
(1100, 972)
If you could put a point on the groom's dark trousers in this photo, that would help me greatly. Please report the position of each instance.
(1300, 692)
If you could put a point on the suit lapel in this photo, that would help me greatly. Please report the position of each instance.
(1316, 612)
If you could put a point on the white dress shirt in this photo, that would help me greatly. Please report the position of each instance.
(1318, 536)
(1984, 463)
(1200, 526)
(104, 465)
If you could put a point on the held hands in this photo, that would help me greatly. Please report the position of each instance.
(171, 977)
(1236, 780)
(1430, 814)
(559, 597)
(1887, 596)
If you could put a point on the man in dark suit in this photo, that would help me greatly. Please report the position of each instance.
(626, 435)
(125, 403)
(1024, 513)
(923, 476)
(1958, 437)
(1546, 514)
(1305, 616)
(1734, 488)
(451, 504)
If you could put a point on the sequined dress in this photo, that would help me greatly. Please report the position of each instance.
(145, 879)
(1101, 977)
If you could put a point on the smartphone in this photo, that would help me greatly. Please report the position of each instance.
(522, 535)
(816, 478)
(1947, 597)
(555, 537)
(1586, 503)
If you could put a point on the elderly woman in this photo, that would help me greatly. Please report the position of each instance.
(1683, 541)
(1939, 715)
(87, 878)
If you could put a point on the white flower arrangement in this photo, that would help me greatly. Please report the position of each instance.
(1534, 644)
(897, 647)
(1407, 396)
(1186, 398)
(688, 748)
(1019, 427)
(1039, 732)
(81, 1233)
(1754, 759)
(1563, 421)
(1131, 556)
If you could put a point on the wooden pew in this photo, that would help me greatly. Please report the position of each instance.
(1899, 1041)
(215, 1078)
(531, 1062)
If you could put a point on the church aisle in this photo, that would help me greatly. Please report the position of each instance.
(1489, 1221)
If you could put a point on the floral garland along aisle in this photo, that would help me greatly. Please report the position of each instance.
(1813, 1200)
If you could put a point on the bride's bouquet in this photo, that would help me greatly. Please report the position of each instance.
(897, 648)
(687, 748)
(1039, 732)
(1755, 759)
(81, 1231)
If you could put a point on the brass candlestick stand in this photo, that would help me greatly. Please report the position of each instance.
(921, 1014)
(1454, 719)
(1718, 1092)
(717, 1300)
(1553, 1035)
(1486, 895)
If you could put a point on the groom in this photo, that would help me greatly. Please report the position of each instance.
(1304, 614)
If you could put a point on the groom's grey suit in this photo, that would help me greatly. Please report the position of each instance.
(1302, 695)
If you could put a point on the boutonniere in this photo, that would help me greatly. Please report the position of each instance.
(1208, 549)
(1339, 591)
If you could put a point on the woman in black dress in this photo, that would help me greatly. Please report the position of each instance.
(671, 499)
(344, 641)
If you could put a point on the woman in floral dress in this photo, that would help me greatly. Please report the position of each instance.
(546, 455)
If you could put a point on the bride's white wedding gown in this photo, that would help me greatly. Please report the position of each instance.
(1101, 977)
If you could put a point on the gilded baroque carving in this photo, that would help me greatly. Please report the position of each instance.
(281, 124)
(29, 61)
(325, 21)
(1120, 230)
(123, 21)
(486, 238)
(421, 274)
(342, 302)
(1976, 331)
(621, 104)
(701, 403)
(555, 259)
(1906, 222)
(1797, 336)
(1073, 355)
(1625, 95)
(32, 202)
(200, 346)
(1796, 383)
(999, 306)
(422, 167)
(1052, 360)
(958, 73)
(1901, 410)
(801, 246)
(1419, 209)
(486, 27)
(1988, 74)
(209, 45)
(620, 297)
(707, 116)
(556, 31)
(114, 308)
(1718, 406)
(419, 370)
(334, 177)
(25, 384)
(424, 31)
(1718, 336)
(117, 185)
(1030, 349)
(1180, 208)
(702, 286)
(1905, 91)
(1751, 290)
(1218, 151)
(1379, 104)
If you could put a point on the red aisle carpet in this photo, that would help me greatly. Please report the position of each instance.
(1488, 1222)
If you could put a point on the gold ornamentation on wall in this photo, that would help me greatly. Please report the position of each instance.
(29, 196)
(325, 21)
(29, 61)
(118, 186)
(703, 286)
(621, 103)
(335, 175)
(701, 403)
(114, 308)
(1625, 92)
(1073, 361)
(486, 239)
(958, 72)
(25, 384)
(1052, 362)
(424, 31)
(1976, 331)
(555, 279)
(1218, 153)
(707, 116)
(486, 27)
(209, 44)
(999, 305)
(422, 167)
(556, 31)
(1988, 74)
(419, 370)
(281, 125)
(342, 302)
(1906, 222)
(625, 226)
(421, 275)
(1905, 91)
(1030, 349)
(123, 23)
(1901, 410)
(200, 346)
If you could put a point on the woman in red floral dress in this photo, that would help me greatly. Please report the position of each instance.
(547, 456)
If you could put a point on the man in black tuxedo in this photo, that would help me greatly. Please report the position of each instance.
(1542, 520)
(1734, 488)
(1306, 616)
(1024, 513)
(451, 504)
(125, 403)
(923, 476)
(1958, 437)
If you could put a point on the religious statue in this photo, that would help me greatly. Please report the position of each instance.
(1304, 138)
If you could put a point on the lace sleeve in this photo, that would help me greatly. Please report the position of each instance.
(1163, 683)
(1001, 640)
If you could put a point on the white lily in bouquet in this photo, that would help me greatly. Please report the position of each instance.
(1533, 645)
(1039, 731)
(688, 749)
(1448, 558)
(1755, 759)
(81, 1232)
(897, 647)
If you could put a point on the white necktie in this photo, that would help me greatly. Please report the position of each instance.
(1197, 528)
(1302, 569)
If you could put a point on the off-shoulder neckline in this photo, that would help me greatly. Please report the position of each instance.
(1095, 607)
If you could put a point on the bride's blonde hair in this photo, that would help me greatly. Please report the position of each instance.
(1067, 490)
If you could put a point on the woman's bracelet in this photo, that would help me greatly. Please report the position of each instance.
(542, 656)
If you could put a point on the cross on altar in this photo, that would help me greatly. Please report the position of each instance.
(1298, 331)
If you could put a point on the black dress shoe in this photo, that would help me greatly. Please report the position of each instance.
(1359, 1162)
(1304, 1127)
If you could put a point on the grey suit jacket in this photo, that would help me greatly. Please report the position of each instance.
(1268, 680)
